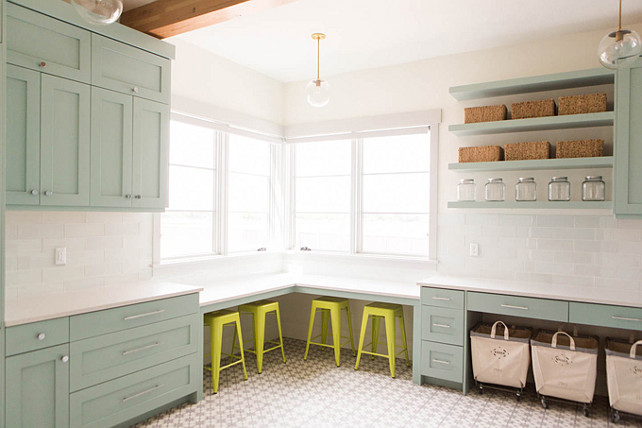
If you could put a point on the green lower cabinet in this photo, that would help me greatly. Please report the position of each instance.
(37, 388)
(628, 140)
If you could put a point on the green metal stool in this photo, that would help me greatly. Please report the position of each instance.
(330, 308)
(216, 321)
(259, 310)
(388, 312)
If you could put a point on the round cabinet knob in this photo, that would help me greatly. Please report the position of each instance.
(48, 193)
(34, 192)
(42, 64)
(138, 197)
(128, 196)
(64, 358)
(41, 336)
(135, 89)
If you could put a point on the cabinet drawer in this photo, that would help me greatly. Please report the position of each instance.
(119, 400)
(113, 355)
(37, 335)
(442, 297)
(442, 325)
(130, 70)
(606, 315)
(554, 310)
(41, 43)
(442, 361)
(125, 317)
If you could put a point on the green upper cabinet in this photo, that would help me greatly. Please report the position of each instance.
(150, 154)
(23, 136)
(628, 140)
(38, 388)
(39, 42)
(130, 70)
(111, 149)
(64, 142)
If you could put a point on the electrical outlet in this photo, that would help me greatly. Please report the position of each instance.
(60, 256)
(474, 249)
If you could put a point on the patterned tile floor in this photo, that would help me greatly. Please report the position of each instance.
(316, 393)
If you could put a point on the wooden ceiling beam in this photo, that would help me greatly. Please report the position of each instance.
(167, 18)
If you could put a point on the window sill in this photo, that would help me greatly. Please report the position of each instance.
(363, 256)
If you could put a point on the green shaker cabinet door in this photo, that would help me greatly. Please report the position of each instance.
(628, 140)
(23, 136)
(45, 44)
(150, 154)
(64, 142)
(37, 388)
(111, 149)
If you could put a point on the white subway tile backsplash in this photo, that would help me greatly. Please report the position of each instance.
(102, 247)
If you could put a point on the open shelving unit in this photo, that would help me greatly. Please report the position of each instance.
(550, 205)
(540, 164)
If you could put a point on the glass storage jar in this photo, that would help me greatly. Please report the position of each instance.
(593, 188)
(526, 189)
(559, 189)
(495, 189)
(466, 189)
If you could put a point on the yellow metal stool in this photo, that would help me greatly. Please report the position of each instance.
(216, 321)
(330, 308)
(389, 312)
(259, 310)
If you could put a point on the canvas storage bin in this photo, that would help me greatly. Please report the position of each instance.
(580, 149)
(624, 375)
(485, 114)
(500, 360)
(481, 154)
(566, 367)
(528, 150)
(581, 104)
(528, 109)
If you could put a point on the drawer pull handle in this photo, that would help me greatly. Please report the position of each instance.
(65, 358)
(626, 319)
(42, 64)
(445, 299)
(41, 336)
(441, 362)
(523, 308)
(147, 391)
(441, 325)
(148, 314)
(142, 348)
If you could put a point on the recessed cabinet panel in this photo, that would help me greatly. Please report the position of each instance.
(23, 136)
(130, 70)
(38, 389)
(111, 149)
(64, 142)
(150, 154)
(628, 140)
(45, 44)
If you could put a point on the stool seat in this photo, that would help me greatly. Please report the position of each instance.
(216, 321)
(330, 308)
(389, 312)
(259, 311)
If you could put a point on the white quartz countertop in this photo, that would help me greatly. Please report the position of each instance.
(239, 287)
(48, 306)
(577, 293)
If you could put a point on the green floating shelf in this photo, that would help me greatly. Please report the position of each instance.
(535, 124)
(540, 164)
(549, 82)
(606, 205)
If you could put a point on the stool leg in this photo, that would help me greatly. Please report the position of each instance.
(234, 345)
(325, 314)
(376, 322)
(278, 324)
(335, 317)
(259, 338)
(403, 339)
(362, 335)
(216, 339)
(349, 316)
(238, 330)
(390, 335)
(307, 345)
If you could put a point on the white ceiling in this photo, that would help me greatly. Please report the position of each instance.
(374, 33)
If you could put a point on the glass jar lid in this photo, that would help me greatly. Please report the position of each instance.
(526, 179)
(467, 181)
(559, 178)
(594, 178)
(495, 180)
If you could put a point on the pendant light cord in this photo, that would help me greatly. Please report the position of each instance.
(319, 47)
(620, 21)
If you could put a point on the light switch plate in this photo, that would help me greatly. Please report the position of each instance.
(60, 256)
(474, 249)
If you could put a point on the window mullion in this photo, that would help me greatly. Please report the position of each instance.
(356, 242)
(223, 186)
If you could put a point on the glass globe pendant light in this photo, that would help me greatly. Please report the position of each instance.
(620, 48)
(99, 12)
(318, 91)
